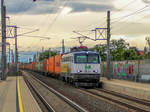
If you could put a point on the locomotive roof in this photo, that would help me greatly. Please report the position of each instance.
(84, 52)
(77, 52)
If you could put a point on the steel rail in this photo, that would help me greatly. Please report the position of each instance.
(46, 104)
(115, 101)
(144, 102)
(67, 100)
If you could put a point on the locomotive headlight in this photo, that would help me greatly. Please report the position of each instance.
(95, 71)
(79, 71)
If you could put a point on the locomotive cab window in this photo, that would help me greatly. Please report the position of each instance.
(67, 59)
(93, 58)
(87, 58)
(80, 58)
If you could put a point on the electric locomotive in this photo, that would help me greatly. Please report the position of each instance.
(79, 67)
(82, 68)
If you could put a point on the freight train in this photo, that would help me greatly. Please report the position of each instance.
(81, 68)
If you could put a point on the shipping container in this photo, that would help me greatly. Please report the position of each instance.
(51, 64)
(34, 66)
(41, 66)
(45, 65)
(37, 66)
(58, 64)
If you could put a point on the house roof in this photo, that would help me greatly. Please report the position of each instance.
(141, 52)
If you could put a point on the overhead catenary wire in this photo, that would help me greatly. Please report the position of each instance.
(58, 14)
(121, 25)
(56, 17)
(133, 13)
(23, 5)
(104, 18)
(47, 17)
(36, 36)
(56, 5)
(53, 23)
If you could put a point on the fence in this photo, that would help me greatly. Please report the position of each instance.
(136, 70)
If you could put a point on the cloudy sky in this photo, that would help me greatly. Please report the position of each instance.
(58, 19)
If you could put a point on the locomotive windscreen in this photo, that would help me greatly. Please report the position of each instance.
(86, 58)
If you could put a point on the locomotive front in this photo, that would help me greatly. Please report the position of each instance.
(86, 68)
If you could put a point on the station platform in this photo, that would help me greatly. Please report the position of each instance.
(138, 90)
(16, 97)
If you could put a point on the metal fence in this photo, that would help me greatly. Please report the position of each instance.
(135, 70)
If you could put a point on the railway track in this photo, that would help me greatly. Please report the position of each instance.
(134, 99)
(73, 106)
(42, 99)
(132, 103)
(100, 95)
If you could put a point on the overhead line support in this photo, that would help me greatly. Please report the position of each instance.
(3, 34)
(108, 46)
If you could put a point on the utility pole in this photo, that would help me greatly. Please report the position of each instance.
(12, 54)
(63, 47)
(9, 49)
(42, 49)
(3, 27)
(100, 34)
(108, 46)
(148, 42)
(16, 49)
(9, 53)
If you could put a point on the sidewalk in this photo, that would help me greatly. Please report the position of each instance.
(139, 90)
(9, 96)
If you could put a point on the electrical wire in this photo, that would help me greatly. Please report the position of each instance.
(128, 15)
(45, 21)
(104, 18)
(56, 17)
(125, 23)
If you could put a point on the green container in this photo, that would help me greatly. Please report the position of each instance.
(37, 66)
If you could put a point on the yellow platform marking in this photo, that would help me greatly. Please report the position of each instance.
(19, 96)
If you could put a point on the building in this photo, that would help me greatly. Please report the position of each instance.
(139, 52)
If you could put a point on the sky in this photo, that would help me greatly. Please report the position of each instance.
(57, 19)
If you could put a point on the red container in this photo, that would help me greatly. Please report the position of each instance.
(45, 65)
(34, 66)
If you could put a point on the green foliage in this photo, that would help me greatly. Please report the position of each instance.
(147, 56)
(119, 51)
(46, 55)
(130, 54)
(101, 50)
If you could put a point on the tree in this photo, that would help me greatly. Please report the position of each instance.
(130, 54)
(101, 49)
(117, 49)
(46, 55)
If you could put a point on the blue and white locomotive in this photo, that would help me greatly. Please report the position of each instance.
(82, 68)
